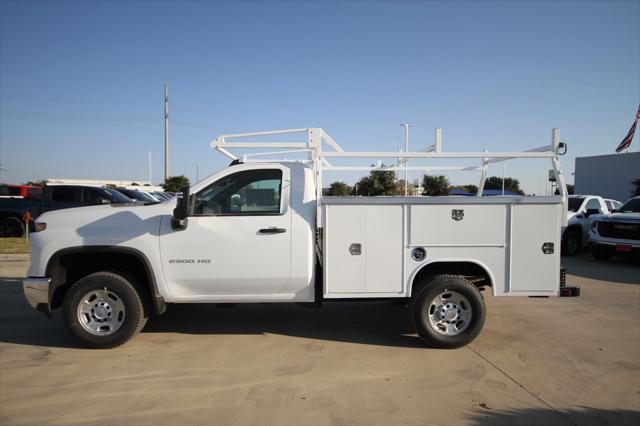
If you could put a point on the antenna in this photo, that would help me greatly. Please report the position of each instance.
(166, 132)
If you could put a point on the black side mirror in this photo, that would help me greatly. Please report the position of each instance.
(592, 212)
(180, 218)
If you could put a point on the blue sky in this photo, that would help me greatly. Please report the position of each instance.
(81, 82)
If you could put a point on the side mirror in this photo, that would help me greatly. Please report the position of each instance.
(613, 210)
(592, 212)
(180, 218)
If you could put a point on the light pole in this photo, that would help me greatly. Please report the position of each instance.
(406, 149)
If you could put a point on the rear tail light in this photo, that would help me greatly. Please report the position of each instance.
(39, 226)
(594, 225)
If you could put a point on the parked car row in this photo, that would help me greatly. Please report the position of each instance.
(54, 197)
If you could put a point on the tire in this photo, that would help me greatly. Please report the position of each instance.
(571, 242)
(601, 253)
(11, 227)
(104, 310)
(448, 311)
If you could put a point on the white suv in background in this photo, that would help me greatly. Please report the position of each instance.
(581, 208)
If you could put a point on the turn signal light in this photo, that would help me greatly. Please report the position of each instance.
(39, 226)
(594, 225)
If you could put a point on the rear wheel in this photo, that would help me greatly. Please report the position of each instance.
(448, 311)
(104, 310)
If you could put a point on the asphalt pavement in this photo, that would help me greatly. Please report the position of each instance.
(556, 361)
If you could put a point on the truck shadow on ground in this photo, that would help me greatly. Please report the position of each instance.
(539, 416)
(620, 270)
(373, 323)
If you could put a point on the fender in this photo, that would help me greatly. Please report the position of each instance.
(413, 275)
(158, 302)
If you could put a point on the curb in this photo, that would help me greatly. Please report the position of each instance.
(22, 257)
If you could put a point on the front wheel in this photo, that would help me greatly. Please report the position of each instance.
(11, 227)
(571, 242)
(104, 310)
(448, 311)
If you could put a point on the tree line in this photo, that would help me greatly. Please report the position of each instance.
(381, 182)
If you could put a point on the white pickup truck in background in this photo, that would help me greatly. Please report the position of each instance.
(581, 208)
(261, 231)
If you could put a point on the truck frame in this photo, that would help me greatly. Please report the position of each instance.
(262, 231)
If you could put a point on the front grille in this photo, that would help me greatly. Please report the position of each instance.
(627, 231)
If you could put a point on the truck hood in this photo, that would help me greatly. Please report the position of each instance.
(106, 225)
(620, 217)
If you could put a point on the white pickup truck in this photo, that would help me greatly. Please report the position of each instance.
(262, 232)
(581, 210)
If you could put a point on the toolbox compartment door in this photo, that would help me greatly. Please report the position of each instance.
(534, 255)
(363, 253)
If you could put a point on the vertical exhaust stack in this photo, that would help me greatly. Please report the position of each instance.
(166, 132)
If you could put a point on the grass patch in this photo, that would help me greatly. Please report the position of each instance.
(13, 246)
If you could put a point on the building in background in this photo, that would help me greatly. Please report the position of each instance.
(609, 176)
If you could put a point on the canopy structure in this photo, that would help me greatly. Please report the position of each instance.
(320, 149)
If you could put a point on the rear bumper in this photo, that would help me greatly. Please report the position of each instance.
(36, 291)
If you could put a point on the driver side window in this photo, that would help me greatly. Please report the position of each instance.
(246, 193)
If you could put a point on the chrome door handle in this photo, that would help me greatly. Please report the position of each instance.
(272, 230)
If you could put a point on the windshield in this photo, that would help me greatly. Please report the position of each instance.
(631, 206)
(114, 196)
(575, 203)
(138, 195)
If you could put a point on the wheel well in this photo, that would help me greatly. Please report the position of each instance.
(66, 268)
(577, 229)
(471, 271)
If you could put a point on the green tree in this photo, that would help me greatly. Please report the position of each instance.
(570, 190)
(339, 189)
(175, 183)
(379, 182)
(36, 183)
(510, 184)
(435, 185)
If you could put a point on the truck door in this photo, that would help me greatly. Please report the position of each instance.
(238, 238)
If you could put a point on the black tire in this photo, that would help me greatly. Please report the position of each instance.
(601, 252)
(125, 289)
(11, 227)
(426, 293)
(571, 242)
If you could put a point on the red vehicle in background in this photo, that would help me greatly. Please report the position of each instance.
(26, 191)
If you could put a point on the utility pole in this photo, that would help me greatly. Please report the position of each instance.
(166, 132)
(503, 173)
(406, 149)
(150, 179)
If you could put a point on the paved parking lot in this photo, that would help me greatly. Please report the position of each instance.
(538, 361)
